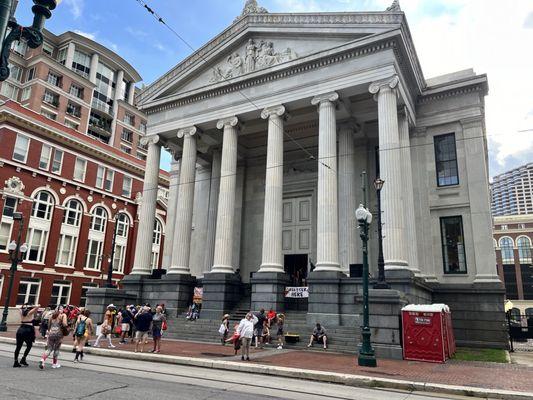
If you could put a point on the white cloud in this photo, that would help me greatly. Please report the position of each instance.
(76, 7)
(88, 35)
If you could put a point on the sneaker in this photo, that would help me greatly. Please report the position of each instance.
(41, 364)
(247, 358)
(111, 346)
(309, 345)
(16, 364)
(280, 347)
(56, 365)
(23, 363)
(76, 361)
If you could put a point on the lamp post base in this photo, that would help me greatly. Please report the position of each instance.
(367, 360)
(3, 327)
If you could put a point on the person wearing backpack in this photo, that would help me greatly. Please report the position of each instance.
(82, 330)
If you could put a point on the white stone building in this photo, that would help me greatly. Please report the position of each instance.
(273, 122)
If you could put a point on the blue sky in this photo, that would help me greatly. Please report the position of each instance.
(449, 35)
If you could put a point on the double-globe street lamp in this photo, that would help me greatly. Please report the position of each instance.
(16, 255)
(33, 34)
(381, 283)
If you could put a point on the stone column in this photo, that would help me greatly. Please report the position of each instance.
(272, 259)
(131, 93)
(143, 246)
(327, 215)
(172, 205)
(348, 180)
(222, 260)
(70, 55)
(212, 212)
(94, 66)
(394, 233)
(183, 225)
(409, 202)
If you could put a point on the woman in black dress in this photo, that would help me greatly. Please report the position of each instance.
(25, 334)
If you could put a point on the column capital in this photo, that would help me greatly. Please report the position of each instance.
(229, 121)
(388, 83)
(273, 111)
(189, 131)
(325, 97)
(154, 139)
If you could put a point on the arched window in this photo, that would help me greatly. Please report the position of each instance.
(73, 213)
(95, 247)
(121, 242)
(524, 249)
(43, 204)
(515, 314)
(506, 246)
(529, 312)
(39, 226)
(156, 243)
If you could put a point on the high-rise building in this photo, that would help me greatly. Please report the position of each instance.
(512, 192)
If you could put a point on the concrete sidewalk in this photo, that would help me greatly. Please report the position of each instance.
(485, 380)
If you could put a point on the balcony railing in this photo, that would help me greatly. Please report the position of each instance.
(99, 124)
(102, 107)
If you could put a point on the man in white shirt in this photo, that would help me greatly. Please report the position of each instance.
(246, 332)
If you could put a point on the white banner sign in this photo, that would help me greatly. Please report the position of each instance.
(297, 292)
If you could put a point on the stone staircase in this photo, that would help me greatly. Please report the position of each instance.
(341, 339)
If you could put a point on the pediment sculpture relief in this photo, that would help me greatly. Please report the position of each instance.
(258, 56)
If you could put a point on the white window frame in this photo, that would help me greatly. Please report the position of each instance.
(17, 147)
(83, 296)
(80, 165)
(49, 206)
(62, 286)
(1, 284)
(48, 148)
(29, 283)
(8, 221)
(127, 189)
(68, 249)
(109, 173)
(97, 265)
(100, 177)
(506, 260)
(60, 162)
(26, 93)
(42, 245)
(103, 218)
(119, 258)
(524, 258)
(76, 211)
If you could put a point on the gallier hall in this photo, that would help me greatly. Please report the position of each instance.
(271, 124)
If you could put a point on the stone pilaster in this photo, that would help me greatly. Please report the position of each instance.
(170, 222)
(183, 226)
(222, 260)
(409, 202)
(348, 237)
(212, 212)
(95, 58)
(143, 246)
(272, 259)
(394, 246)
(327, 215)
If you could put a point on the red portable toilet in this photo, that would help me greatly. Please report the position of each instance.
(424, 333)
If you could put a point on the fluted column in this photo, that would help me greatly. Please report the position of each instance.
(212, 212)
(170, 221)
(394, 233)
(183, 225)
(347, 199)
(222, 260)
(272, 259)
(409, 202)
(327, 254)
(145, 232)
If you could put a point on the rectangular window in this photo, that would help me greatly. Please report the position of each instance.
(84, 289)
(37, 243)
(26, 94)
(54, 79)
(74, 109)
(9, 90)
(453, 245)
(57, 161)
(94, 255)
(126, 135)
(28, 292)
(51, 98)
(126, 186)
(77, 91)
(118, 262)
(142, 127)
(129, 119)
(60, 293)
(46, 155)
(109, 177)
(100, 177)
(20, 47)
(141, 156)
(31, 74)
(72, 124)
(125, 149)
(81, 63)
(15, 72)
(6, 224)
(62, 55)
(446, 160)
(79, 169)
(48, 49)
(49, 114)
(66, 250)
(20, 153)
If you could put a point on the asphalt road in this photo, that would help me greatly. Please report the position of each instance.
(102, 378)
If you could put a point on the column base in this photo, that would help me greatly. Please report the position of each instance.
(268, 290)
(222, 269)
(275, 268)
(179, 270)
(487, 278)
(222, 292)
(141, 272)
(327, 266)
(324, 297)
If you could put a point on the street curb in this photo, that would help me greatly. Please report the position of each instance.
(295, 373)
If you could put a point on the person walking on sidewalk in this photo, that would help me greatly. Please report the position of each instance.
(106, 329)
(280, 334)
(58, 325)
(259, 327)
(25, 334)
(126, 318)
(158, 320)
(82, 331)
(224, 329)
(143, 322)
(246, 332)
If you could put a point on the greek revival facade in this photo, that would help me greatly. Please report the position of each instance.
(271, 124)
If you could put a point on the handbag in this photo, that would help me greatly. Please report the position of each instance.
(164, 326)
(118, 329)
(222, 329)
(65, 330)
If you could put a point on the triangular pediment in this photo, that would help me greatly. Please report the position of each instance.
(259, 43)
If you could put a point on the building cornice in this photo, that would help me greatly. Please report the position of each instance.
(477, 83)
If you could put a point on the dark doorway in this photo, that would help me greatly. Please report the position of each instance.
(296, 268)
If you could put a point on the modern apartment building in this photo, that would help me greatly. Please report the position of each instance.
(512, 192)
(81, 84)
(72, 163)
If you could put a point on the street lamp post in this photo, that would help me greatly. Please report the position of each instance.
(381, 283)
(367, 356)
(16, 255)
(109, 283)
(33, 34)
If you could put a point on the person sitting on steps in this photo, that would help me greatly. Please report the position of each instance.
(319, 335)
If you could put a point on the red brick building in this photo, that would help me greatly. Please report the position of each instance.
(72, 190)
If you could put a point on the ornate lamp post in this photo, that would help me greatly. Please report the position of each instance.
(16, 255)
(33, 34)
(381, 283)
